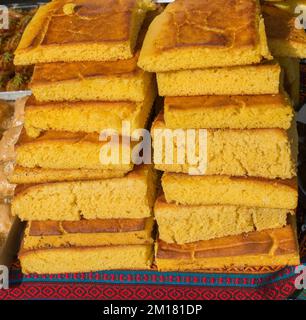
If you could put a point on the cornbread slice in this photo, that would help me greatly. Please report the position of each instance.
(89, 117)
(185, 224)
(256, 152)
(224, 190)
(130, 197)
(256, 79)
(265, 248)
(82, 30)
(223, 112)
(22, 175)
(86, 259)
(284, 38)
(118, 80)
(68, 150)
(203, 33)
(87, 233)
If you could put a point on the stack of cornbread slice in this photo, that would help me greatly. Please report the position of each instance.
(84, 214)
(214, 67)
(287, 40)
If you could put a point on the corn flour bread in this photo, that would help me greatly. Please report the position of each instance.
(82, 30)
(87, 233)
(257, 152)
(235, 112)
(87, 116)
(86, 259)
(224, 190)
(273, 247)
(119, 80)
(130, 197)
(239, 80)
(185, 224)
(22, 175)
(202, 33)
(284, 38)
(72, 150)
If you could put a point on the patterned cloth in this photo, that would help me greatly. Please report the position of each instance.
(141, 285)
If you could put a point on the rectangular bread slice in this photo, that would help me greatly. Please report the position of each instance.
(130, 197)
(82, 30)
(275, 247)
(284, 37)
(224, 190)
(119, 80)
(87, 233)
(72, 150)
(229, 112)
(240, 80)
(204, 33)
(185, 224)
(22, 175)
(266, 153)
(87, 116)
(86, 259)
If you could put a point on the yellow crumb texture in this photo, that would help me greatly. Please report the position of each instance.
(229, 112)
(224, 190)
(185, 224)
(89, 117)
(66, 150)
(129, 197)
(265, 153)
(22, 175)
(75, 259)
(239, 80)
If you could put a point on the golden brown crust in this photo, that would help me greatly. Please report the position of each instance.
(196, 102)
(159, 123)
(57, 228)
(275, 242)
(24, 252)
(57, 136)
(138, 173)
(73, 71)
(92, 21)
(32, 103)
(194, 23)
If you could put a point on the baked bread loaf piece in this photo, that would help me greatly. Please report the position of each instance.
(22, 175)
(284, 38)
(224, 190)
(262, 153)
(130, 197)
(275, 247)
(185, 224)
(86, 259)
(118, 80)
(87, 116)
(82, 30)
(229, 112)
(87, 233)
(202, 33)
(239, 80)
(71, 150)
